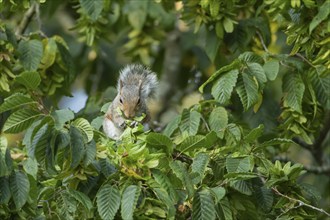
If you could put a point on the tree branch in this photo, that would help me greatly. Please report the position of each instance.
(27, 18)
(301, 203)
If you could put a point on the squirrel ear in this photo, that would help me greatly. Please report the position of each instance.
(120, 84)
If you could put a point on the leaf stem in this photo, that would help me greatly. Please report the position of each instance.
(301, 203)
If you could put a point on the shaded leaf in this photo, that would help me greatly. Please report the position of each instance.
(294, 88)
(30, 80)
(83, 125)
(108, 201)
(61, 117)
(20, 120)
(224, 86)
(199, 165)
(190, 121)
(247, 89)
(181, 172)
(19, 187)
(92, 8)
(15, 101)
(30, 54)
(203, 206)
(239, 164)
(129, 200)
(218, 121)
(271, 69)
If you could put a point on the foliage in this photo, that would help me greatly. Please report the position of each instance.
(211, 161)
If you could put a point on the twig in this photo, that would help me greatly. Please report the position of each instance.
(289, 209)
(26, 19)
(317, 146)
(304, 59)
(262, 41)
(302, 143)
(301, 203)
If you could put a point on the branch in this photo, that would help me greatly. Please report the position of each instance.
(262, 41)
(301, 203)
(304, 59)
(27, 18)
(317, 146)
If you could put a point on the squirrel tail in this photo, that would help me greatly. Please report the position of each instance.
(135, 73)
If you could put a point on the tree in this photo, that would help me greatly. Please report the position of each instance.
(261, 69)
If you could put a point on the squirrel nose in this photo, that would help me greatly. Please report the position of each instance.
(129, 114)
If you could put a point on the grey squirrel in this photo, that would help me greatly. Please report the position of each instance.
(136, 84)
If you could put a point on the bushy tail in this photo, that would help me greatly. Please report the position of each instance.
(133, 73)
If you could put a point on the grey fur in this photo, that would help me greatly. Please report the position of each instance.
(131, 74)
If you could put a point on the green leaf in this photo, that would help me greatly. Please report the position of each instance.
(239, 164)
(226, 209)
(294, 88)
(137, 13)
(190, 121)
(256, 70)
(212, 45)
(321, 16)
(254, 134)
(77, 146)
(172, 126)
(97, 122)
(164, 197)
(39, 142)
(4, 190)
(218, 193)
(19, 187)
(30, 54)
(165, 183)
(264, 198)
(30, 80)
(83, 199)
(129, 200)
(108, 201)
(90, 153)
(218, 121)
(92, 8)
(250, 57)
(321, 85)
(15, 101)
(156, 139)
(181, 172)
(234, 65)
(271, 69)
(31, 167)
(203, 206)
(49, 56)
(242, 186)
(61, 117)
(224, 86)
(85, 127)
(20, 120)
(276, 141)
(247, 89)
(228, 25)
(198, 166)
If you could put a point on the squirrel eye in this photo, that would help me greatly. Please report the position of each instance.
(121, 101)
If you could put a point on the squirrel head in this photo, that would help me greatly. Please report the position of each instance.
(130, 100)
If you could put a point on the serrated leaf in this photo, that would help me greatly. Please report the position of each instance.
(61, 117)
(181, 172)
(247, 89)
(172, 126)
(224, 86)
(108, 201)
(250, 57)
(156, 140)
(239, 164)
(242, 187)
(90, 153)
(271, 69)
(31, 167)
(218, 121)
(294, 88)
(19, 187)
(254, 134)
(276, 141)
(212, 45)
(203, 206)
(165, 183)
(30, 80)
(321, 15)
(15, 101)
(39, 142)
(129, 200)
(5, 194)
(164, 197)
(83, 199)
(20, 120)
(92, 8)
(321, 85)
(256, 70)
(264, 198)
(190, 121)
(218, 193)
(30, 54)
(85, 127)
(234, 65)
(77, 146)
(199, 165)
